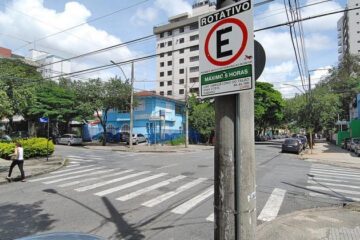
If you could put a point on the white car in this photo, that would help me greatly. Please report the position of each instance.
(137, 138)
(69, 139)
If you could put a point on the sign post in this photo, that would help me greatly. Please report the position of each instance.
(227, 73)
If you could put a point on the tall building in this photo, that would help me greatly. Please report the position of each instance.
(348, 27)
(178, 52)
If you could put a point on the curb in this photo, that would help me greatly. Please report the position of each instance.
(149, 151)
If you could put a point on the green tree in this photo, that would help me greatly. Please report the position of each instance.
(99, 97)
(202, 116)
(269, 106)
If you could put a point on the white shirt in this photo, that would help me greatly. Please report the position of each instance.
(20, 153)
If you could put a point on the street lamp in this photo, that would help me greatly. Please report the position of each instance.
(131, 100)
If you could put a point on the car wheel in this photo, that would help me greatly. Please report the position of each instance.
(136, 142)
(69, 143)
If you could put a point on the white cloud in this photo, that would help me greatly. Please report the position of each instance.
(31, 20)
(145, 15)
(173, 7)
(319, 74)
(318, 42)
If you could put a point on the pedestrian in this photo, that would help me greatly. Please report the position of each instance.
(18, 160)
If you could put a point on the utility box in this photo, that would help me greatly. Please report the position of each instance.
(355, 128)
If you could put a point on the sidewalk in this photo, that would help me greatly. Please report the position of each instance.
(149, 148)
(327, 153)
(341, 223)
(32, 167)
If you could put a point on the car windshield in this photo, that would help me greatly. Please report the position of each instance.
(291, 141)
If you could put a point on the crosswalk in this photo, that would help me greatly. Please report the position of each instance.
(342, 184)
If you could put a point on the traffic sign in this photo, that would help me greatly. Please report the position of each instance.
(227, 50)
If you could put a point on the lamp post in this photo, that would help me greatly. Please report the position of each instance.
(131, 100)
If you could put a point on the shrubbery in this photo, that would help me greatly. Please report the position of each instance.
(177, 141)
(33, 147)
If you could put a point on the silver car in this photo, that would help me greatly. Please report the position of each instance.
(137, 138)
(69, 139)
(353, 143)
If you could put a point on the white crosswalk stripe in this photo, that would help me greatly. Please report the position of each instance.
(72, 169)
(80, 160)
(128, 185)
(210, 218)
(166, 196)
(185, 207)
(150, 188)
(338, 183)
(272, 206)
(94, 178)
(65, 174)
(78, 176)
(100, 184)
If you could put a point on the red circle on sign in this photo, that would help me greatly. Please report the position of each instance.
(242, 47)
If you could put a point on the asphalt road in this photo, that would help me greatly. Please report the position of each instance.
(121, 195)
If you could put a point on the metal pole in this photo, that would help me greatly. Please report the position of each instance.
(310, 130)
(186, 109)
(131, 106)
(47, 142)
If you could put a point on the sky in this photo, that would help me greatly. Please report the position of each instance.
(40, 24)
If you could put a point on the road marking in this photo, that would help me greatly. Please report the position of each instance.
(333, 184)
(186, 206)
(100, 184)
(164, 197)
(128, 237)
(322, 195)
(94, 178)
(333, 190)
(72, 169)
(72, 165)
(272, 206)
(335, 171)
(331, 167)
(78, 176)
(167, 166)
(65, 174)
(80, 160)
(210, 218)
(73, 162)
(330, 180)
(337, 175)
(130, 184)
(150, 188)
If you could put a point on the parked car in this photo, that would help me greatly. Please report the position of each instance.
(345, 143)
(69, 139)
(19, 135)
(5, 138)
(357, 149)
(292, 145)
(353, 143)
(137, 138)
(303, 140)
(260, 138)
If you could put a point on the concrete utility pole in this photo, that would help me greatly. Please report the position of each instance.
(186, 109)
(131, 106)
(234, 168)
(310, 130)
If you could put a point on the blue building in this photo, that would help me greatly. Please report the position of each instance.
(157, 117)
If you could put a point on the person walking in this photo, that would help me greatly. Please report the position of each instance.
(19, 160)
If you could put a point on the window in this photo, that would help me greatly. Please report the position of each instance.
(169, 63)
(181, 40)
(194, 79)
(161, 55)
(194, 69)
(181, 71)
(194, 48)
(181, 81)
(161, 84)
(181, 51)
(169, 43)
(181, 91)
(161, 74)
(161, 35)
(194, 26)
(169, 83)
(169, 92)
(169, 53)
(161, 93)
(162, 64)
(162, 45)
(194, 90)
(169, 73)
(178, 108)
(194, 58)
(181, 29)
(181, 60)
(169, 33)
(194, 37)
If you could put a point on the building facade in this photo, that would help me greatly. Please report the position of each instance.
(177, 47)
(158, 118)
(348, 27)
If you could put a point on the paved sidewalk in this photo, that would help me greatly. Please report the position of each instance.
(341, 223)
(150, 148)
(32, 167)
(327, 153)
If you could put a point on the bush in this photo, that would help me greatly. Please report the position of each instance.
(177, 141)
(33, 147)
